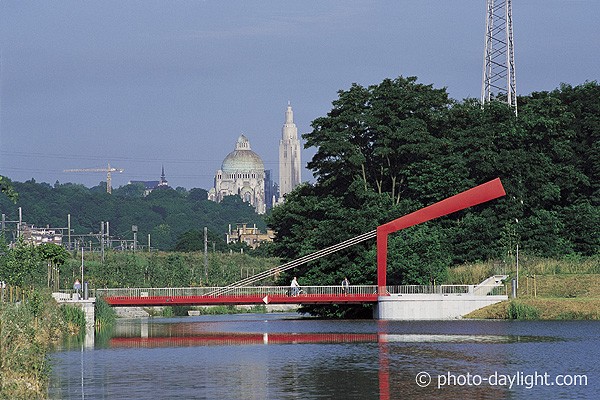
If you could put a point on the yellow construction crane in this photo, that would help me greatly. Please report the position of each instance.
(108, 171)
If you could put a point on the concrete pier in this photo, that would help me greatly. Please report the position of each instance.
(444, 302)
(411, 307)
(88, 306)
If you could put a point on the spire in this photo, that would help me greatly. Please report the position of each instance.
(289, 115)
(163, 179)
(289, 155)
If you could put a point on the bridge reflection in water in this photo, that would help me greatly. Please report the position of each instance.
(153, 335)
(234, 338)
(149, 335)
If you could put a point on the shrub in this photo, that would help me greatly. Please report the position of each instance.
(75, 318)
(105, 315)
(180, 311)
(518, 310)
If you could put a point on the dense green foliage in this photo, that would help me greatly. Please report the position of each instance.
(74, 317)
(383, 151)
(7, 188)
(28, 265)
(386, 150)
(164, 214)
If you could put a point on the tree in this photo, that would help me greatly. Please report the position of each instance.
(6, 187)
(135, 190)
(44, 205)
(381, 152)
(22, 265)
(55, 256)
(193, 240)
(421, 255)
(374, 135)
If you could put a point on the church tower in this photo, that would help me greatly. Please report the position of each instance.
(289, 155)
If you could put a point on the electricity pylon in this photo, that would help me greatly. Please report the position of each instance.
(499, 79)
(108, 171)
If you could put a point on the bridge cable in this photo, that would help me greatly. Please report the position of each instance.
(295, 263)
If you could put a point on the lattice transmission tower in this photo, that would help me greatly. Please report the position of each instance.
(499, 81)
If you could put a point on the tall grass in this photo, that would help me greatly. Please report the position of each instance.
(470, 274)
(74, 318)
(105, 314)
(519, 310)
(572, 264)
(27, 331)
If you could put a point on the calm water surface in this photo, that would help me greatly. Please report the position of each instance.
(283, 356)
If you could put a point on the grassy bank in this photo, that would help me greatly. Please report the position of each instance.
(562, 289)
(528, 266)
(541, 308)
(552, 297)
(28, 330)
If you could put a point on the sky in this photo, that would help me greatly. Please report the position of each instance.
(146, 84)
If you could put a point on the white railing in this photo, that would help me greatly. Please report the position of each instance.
(463, 290)
(466, 290)
(490, 290)
(234, 292)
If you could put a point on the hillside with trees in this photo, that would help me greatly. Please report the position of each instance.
(170, 216)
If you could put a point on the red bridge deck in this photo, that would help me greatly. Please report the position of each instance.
(220, 300)
(240, 296)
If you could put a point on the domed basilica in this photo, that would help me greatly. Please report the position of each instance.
(243, 172)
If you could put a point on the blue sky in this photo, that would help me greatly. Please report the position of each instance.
(141, 84)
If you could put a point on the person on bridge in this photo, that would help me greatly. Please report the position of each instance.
(294, 287)
(77, 286)
(345, 286)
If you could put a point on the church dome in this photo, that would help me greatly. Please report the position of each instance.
(242, 158)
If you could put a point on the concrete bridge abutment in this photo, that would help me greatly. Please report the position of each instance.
(413, 307)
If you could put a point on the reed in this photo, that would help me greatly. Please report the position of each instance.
(105, 315)
(25, 341)
(520, 310)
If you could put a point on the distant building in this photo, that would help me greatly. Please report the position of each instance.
(163, 180)
(38, 236)
(271, 190)
(149, 186)
(251, 236)
(242, 174)
(290, 164)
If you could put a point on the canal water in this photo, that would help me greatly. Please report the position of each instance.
(285, 356)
